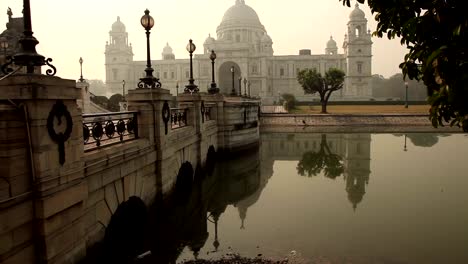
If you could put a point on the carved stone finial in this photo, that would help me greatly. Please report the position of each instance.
(9, 12)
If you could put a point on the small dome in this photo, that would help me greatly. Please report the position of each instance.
(266, 38)
(167, 49)
(209, 39)
(357, 14)
(331, 44)
(118, 26)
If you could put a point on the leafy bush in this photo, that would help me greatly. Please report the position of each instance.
(289, 101)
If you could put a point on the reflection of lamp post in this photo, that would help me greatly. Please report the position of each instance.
(148, 81)
(404, 148)
(406, 98)
(245, 87)
(233, 92)
(191, 87)
(27, 55)
(81, 69)
(216, 241)
(240, 86)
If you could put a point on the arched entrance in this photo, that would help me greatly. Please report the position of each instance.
(225, 77)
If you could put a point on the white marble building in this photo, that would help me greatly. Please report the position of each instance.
(242, 42)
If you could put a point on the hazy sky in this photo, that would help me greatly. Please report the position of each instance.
(69, 29)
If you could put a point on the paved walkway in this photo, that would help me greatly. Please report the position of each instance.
(276, 109)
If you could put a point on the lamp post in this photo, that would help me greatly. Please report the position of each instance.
(177, 88)
(123, 90)
(233, 92)
(248, 85)
(81, 69)
(149, 81)
(27, 55)
(213, 89)
(191, 87)
(406, 97)
(240, 86)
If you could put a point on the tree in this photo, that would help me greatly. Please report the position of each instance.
(312, 82)
(114, 101)
(290, 101)
(313, 163)
(435, 33)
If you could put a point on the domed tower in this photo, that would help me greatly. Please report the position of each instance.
(208, 44)
(241, 25)
(332, 48)
(119, 58)
(167, 53)
(357, 166)
(358, 51)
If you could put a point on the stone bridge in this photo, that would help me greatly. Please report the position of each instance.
(64, 174)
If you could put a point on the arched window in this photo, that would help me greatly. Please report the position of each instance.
(358, 31)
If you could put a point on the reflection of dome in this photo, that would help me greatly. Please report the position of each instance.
(357, 14)
(241, 12)
(118, 26)
(331, 44)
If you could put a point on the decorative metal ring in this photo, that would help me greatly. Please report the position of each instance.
(98, 131)
(130, 125)
(86, 133)
(110, 129)
(121, 127)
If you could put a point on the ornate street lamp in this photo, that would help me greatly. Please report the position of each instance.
(149, 81)
(81, 69)
(406, 97)
(233, 92)
(27, 55)
(213, 89)
(240, 86)
(191, 87)
(245, 87)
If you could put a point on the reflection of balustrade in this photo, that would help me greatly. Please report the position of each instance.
(179, 117)
(109, 128)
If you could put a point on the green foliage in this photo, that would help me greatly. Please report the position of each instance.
(289, 101)
(312, 163)
(114, 101)
(435, 33)
(101, 101)
(312, 82)
(394, 87)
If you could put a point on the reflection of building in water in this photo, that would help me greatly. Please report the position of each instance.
(242, 42)
(353, 148)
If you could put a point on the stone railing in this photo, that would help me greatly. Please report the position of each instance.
(179, 117)
(109, 128)
(206, 112)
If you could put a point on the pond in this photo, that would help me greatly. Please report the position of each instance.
(325, 198)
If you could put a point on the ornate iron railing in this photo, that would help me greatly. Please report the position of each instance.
(109, 128)
(179, 117)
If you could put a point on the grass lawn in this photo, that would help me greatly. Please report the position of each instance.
(363, 109)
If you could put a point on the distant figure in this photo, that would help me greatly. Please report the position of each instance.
(304, 122)
(9, 12)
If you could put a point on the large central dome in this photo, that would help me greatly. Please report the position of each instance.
(241, 12)
(240, 15)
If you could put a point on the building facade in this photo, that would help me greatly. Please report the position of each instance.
(242, 43)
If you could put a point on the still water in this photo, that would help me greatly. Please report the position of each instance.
(327, 198)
